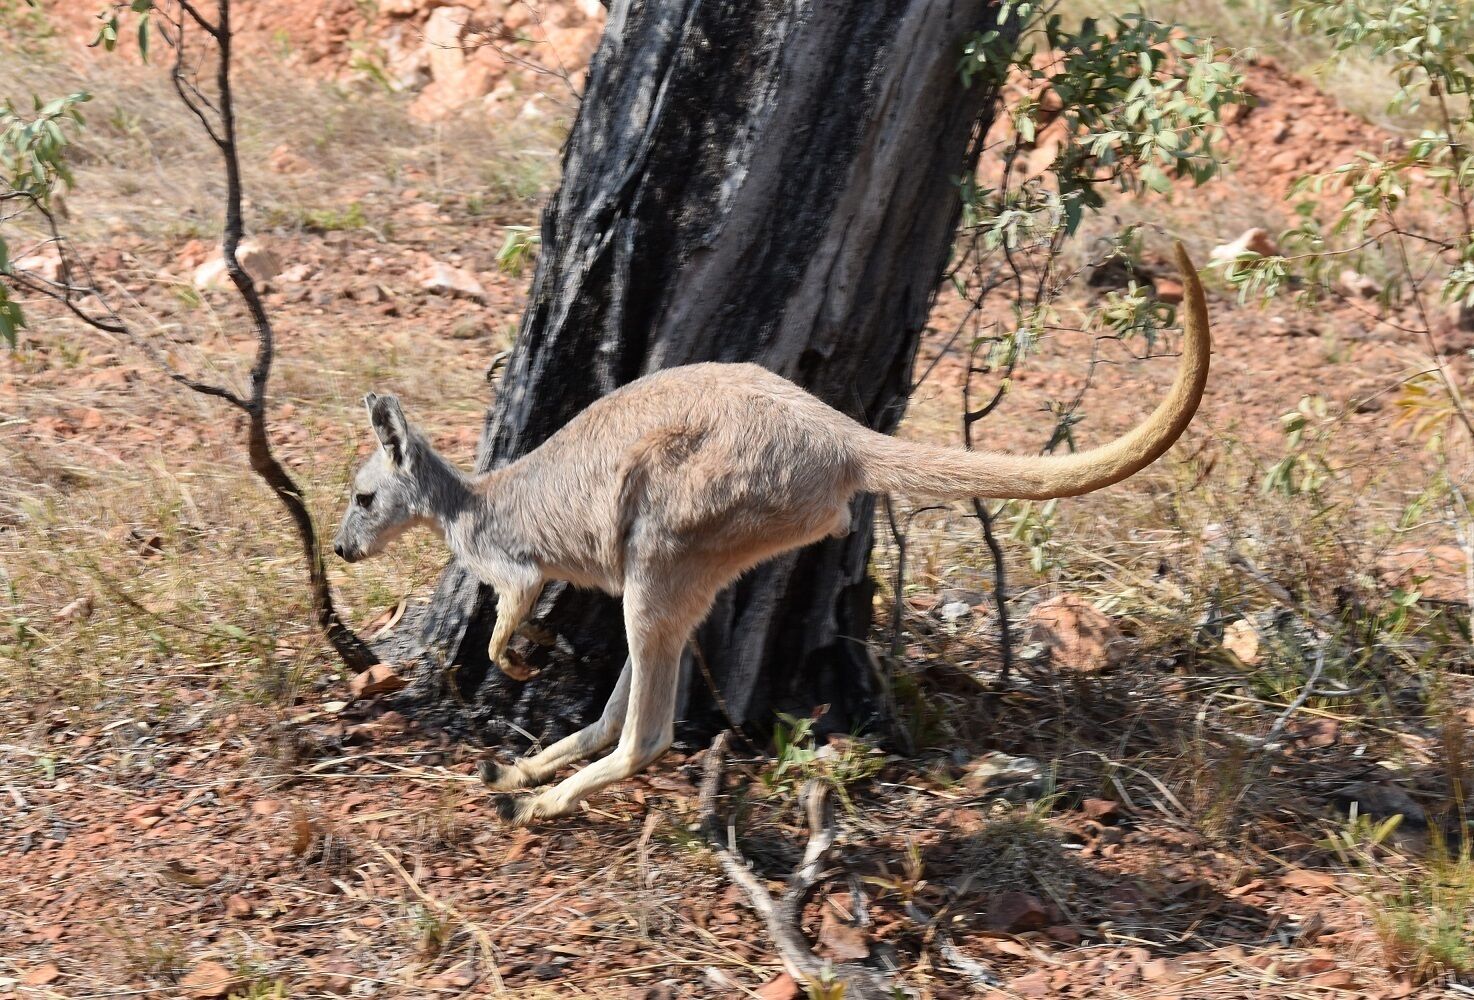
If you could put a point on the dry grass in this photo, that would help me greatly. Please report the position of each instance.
(186, 565)
(193, 579)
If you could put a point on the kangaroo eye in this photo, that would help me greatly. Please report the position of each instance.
(364, 500)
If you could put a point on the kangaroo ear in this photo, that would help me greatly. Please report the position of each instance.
(389, 424)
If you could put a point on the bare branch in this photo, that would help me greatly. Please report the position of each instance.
(781, 916)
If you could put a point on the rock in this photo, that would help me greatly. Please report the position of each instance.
(781, 987)
(961, 595)
(1241, 639)
(1380, 799)
(842, 941)
(1077, 636)
(454, 282)
(1168, 290)
(376, 680)
(45, 975)
(259, 262)
(1255, 241)
(1355, 285)
(1005, 776)
(296, 273)
(239, 906)
(953, 610)
(455, 78)
(145, 816)
(444, 30)
(207, 981)
(501, 93)
(76, 611)
(1102, 810)
(282, 160)
(1015, 911)
(1437, 571)
(1285, 162)
(468, 328)
(45, 264)
(1035, 984)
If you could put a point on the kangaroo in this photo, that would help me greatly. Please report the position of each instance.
(664, 492)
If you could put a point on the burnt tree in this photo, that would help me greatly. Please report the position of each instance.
(770, 181)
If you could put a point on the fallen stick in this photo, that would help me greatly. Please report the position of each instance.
(781, 915)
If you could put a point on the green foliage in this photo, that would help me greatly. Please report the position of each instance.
(1395, 203)
(108, 32)
(32, 167)
(1140, 102)
(1033, 524)
(1423, 912)
(798, 758)
(1124, 104)
(32, 162)
(1305, 468)
(520, 247)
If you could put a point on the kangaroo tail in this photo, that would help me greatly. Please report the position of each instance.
(888, 464)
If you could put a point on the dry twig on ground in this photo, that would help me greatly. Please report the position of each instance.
(781, 915)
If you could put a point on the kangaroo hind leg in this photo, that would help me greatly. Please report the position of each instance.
(536, 770)
(657, 635)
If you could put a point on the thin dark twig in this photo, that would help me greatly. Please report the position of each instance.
(1000, 591)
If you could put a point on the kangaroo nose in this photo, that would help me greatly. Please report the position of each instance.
(338, 550)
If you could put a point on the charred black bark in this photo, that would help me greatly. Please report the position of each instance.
(772, 181)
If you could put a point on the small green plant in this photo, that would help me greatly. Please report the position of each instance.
(798, 758)
(1033, 524)
(1305, 468)
(1423, 911)
(518, 249)
(906, 883)
(431, 930)
(322, 220)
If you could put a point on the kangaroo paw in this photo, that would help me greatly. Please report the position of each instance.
(514, 810)
(502, 777)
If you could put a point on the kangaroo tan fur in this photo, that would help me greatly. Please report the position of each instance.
(668, 489)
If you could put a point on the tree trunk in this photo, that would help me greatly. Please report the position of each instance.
(769, 181)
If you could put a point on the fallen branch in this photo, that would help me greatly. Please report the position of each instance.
(781, 915)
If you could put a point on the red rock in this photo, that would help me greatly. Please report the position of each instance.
(1254, 240)
(45, 975)
(1168, 290)
(1016, 911)
(376, 680)
(282, 160)
(146, 815)
(239, 906)
(1035, 984)
(265, 807)
(1077, 636)
(781, 987)
(1102, 810)
(842, 941)
(207, 981)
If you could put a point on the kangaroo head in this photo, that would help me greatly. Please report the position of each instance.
(388, 495)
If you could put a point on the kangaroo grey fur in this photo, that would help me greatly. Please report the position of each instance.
(669, 488)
